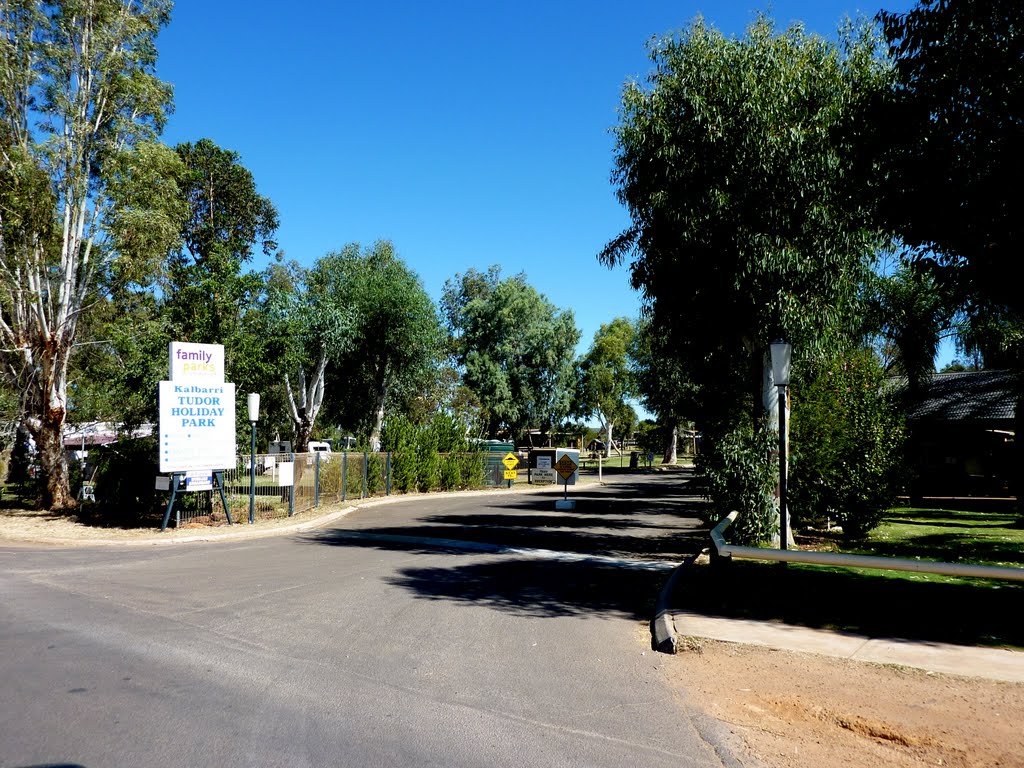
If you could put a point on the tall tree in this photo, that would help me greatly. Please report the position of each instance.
(515, 349)
(395, 339)
(90, 200)
(206, 289)
(955, 138)
(746, 224)
(607, 378)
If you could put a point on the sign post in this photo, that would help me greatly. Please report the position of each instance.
(566, 467)
(511, 462)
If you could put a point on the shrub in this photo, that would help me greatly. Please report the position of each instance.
(125, 488)
(740, 474)
(846, 444)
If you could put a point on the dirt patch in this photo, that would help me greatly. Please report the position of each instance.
(44, 527)
(794, 710)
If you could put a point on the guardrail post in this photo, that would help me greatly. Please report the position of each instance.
(316, 480)
(291, 490)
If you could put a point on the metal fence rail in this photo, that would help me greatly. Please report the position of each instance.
(327, 478)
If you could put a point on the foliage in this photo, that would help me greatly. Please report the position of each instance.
(741, 476)
(430, 456)
(847, 445)
(125, 491)
(664, 384)
(515, 349)
(736, 164)
(206, 291)
(90, 201)
(395, 335)
(955, 139)
(909, 310)
(606, 377)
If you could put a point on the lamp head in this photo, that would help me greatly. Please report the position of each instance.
(254, 407)
(782, 354)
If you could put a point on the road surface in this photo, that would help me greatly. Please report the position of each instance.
(352, 646)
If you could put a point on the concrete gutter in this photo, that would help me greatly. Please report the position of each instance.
(663, 630)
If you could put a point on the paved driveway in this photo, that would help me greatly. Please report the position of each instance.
(323, 649)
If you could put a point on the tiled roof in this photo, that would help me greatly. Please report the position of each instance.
(966, 396)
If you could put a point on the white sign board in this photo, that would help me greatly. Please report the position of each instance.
(201, 480)
(286, 474)
(196, 363)
(197, 426)
(544, 472)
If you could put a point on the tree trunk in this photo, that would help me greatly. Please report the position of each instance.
(304, 410)
(671, 456)
(378, 414)
(47, 429)
(608, 444)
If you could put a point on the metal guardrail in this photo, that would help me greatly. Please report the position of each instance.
(725, 550)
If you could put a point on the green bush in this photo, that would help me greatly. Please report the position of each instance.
(741, 474)
(125, 487)
(846, 443)
(330, 476)
(449, 472)
(375, 478)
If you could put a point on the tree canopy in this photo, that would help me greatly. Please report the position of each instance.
(395, 340)
(954, 138)
(607, 381)
(515, 349)
(747, 224)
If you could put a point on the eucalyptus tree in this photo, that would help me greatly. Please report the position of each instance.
(954, 139)
(395, 338)
(316, 328)
(90, 200)
(206, 289)
(663, 383)
(607, 380)
(747, 225)
(742, 164)
(514, 347)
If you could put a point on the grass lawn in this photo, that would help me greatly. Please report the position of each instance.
(886, 603)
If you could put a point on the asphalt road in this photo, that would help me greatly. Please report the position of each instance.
(358, 645)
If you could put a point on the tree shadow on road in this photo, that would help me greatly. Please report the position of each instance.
(540, 588)
(648, 526)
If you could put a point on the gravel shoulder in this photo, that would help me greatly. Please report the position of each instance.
(802, 710)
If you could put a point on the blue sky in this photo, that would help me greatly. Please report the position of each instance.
(468, 133)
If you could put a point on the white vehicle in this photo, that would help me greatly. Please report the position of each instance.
(317, 446)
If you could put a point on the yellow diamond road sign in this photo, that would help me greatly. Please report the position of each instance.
(565, 467)
(510, 461)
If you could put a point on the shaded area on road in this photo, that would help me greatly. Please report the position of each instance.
(543, 588)
(649, 518)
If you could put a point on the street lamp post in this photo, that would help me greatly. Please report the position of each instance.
(254, 416)
(782, 353)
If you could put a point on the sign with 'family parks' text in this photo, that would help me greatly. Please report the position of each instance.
(197, 410)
